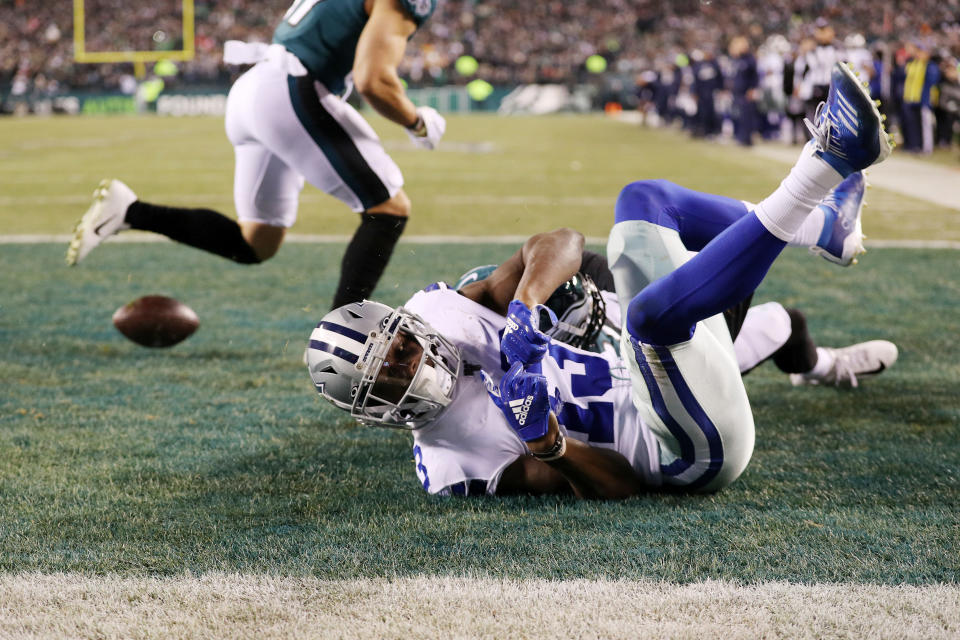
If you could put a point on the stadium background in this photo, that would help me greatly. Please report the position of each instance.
(205, 491)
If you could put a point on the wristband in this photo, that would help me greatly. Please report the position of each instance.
(555, 452)
(418, 128)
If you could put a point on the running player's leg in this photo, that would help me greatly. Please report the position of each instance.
(116, 207)
(266, 189)
(339, 152)
(370, 249)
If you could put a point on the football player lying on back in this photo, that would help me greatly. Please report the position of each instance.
(497, 407)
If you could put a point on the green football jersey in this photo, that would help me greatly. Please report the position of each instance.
(323, 34)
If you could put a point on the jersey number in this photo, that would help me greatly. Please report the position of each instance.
(590, 376)
(299, 9)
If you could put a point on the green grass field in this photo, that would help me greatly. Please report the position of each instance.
(217, 458)
(493, 175)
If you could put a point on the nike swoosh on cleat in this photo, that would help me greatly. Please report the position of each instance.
(879, 369)
(96, 230)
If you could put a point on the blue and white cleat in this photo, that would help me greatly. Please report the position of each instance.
(848, 128)
(841, 240)
(104, 218)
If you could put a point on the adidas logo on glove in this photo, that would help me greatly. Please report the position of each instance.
(521, 408)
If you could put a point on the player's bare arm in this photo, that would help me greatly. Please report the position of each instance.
(379, 52)
(543, 263)
(587, 472)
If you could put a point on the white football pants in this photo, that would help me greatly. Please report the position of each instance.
(690, 394)
(286, 128)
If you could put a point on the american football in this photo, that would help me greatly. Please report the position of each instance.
(156, 321)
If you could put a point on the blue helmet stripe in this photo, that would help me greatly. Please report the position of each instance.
(337, 351)
(395, 324)
(344, 331)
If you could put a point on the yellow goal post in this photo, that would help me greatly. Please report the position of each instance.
(80, 53)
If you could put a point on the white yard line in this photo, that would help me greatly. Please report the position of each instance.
(252, 606)
(933, 183)
(296, 238)
(523, 201)
(451, 199)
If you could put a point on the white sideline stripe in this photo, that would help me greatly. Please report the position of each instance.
(514, 201)
(314, 197)
(911, 177)
(297, 238)
(254, 606)
(912, 244)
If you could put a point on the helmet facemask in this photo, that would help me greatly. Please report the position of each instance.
(429, 390)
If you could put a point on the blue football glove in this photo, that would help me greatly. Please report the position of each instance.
(523, 341)
(523, 399)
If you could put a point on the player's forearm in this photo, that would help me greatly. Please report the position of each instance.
(549, 260)
(380, 51)
(386, 95)
(597, 473)
(592, 472)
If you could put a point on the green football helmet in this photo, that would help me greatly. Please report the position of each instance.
(577, 303)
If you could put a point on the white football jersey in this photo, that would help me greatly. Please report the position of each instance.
(466, 450)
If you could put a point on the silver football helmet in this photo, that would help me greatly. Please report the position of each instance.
(349, 359)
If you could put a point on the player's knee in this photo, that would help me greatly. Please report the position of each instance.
(647, 322)
(263, 240)
(402, 204)
(641, 322)
(638, 319)
(642, 200)
(262, 254)
(398, 205)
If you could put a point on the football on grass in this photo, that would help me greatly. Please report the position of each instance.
(156, 321)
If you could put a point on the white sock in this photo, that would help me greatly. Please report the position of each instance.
(784, 211)
(825, 360)
(810, 230)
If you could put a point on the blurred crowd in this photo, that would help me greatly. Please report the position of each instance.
(746, 92)
(754, 65)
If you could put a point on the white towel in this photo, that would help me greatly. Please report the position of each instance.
(239, 52)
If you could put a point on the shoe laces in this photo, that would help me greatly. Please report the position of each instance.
(845, 367)
(821, 132)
